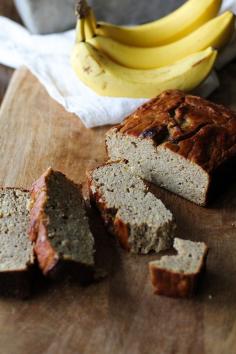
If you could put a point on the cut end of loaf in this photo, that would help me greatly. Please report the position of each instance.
(16, 250)
(58, 223)
(139, 220)
(177, 141)
(160, 165)
(178, 275)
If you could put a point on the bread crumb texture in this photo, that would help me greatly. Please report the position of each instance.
(176, 141)
(16, 250)
(150, 225)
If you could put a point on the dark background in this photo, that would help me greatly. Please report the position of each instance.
(133, 11)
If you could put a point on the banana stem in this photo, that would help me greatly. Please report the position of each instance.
(86, 24)
(82, 9)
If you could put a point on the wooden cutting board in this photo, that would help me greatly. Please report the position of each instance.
(120, 314)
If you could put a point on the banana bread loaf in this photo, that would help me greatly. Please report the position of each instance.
(178, 275)
(176, 141)
(59, 226)
(139, 220)
(16, 250)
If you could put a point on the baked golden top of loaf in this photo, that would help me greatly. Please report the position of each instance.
(201, 131)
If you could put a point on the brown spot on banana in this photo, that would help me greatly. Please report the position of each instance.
(104, 85)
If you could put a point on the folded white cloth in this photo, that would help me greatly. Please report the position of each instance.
(48, 59)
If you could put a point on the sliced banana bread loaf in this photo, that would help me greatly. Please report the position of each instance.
(140, 220)
(177, 141)
(178, 275)
(59, 226)
(16, 250)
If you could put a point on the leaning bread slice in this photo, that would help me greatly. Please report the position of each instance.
(177, 275)
(138, 218)
(16, 250)
(59, 226)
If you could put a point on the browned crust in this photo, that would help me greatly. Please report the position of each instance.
(46, 255)
(50, 262)
(199, 130)
(174, 284)
(114, 224)
(121, 230)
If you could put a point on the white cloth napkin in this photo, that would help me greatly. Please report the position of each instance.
(48, 59)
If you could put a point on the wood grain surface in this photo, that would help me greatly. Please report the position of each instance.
(120, 314)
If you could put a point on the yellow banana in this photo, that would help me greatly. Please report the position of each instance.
(170, 28)
(107, 78)
(215, 33)
(80, 30)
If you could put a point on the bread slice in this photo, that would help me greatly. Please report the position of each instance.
(139, 220)
(176, 141)
(59, 226)
(177, 275)
(16, 250)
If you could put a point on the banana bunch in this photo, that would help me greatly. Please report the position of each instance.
(176, 25)
(119, 61)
